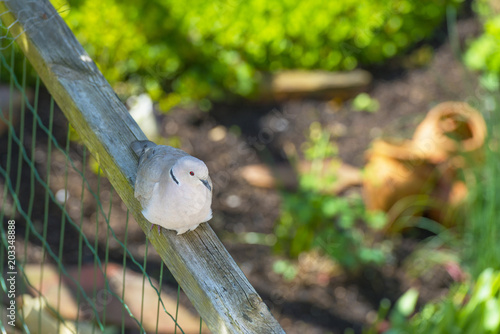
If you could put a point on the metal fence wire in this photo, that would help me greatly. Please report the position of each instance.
(73, 259)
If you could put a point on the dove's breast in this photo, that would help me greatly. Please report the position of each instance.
(178, 207)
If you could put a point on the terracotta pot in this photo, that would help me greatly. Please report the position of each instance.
(408, 178)
(396, 170)
(448, 129)
(447, 202)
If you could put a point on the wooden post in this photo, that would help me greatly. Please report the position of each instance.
(198, 260)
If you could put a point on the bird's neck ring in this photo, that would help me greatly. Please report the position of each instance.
(173, 176)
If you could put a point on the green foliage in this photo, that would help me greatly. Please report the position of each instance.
(285, 268)
(482, 232)
(311, 218)
(404, 307)
(460, 312)
(484, 52)
(209, 49)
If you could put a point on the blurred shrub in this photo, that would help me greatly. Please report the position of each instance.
(311, 218)
(465, 310)
(484, 52)
(209, 49)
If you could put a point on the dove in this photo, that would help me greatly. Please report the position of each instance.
(173, 187)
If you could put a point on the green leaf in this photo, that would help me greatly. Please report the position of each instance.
(330, 207)
(492, 315)
(363, 101)
(407, 302)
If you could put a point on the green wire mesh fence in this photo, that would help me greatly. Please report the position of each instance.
(72, 258)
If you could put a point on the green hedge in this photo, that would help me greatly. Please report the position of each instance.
(179, 52)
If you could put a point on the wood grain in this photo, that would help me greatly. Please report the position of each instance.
(206, 272)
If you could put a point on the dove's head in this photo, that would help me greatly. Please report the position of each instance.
(192, 171)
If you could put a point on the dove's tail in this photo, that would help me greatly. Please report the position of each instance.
(141, 146)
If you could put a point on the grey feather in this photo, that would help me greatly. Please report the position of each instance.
(153, 161)
(141, 145)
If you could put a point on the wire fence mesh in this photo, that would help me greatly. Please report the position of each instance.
(73, 259)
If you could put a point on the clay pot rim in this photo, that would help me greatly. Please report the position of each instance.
(474, 120)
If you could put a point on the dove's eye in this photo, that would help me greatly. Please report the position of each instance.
(191, 173)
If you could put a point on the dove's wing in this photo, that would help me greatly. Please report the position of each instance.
(154, 162)
(141, 146)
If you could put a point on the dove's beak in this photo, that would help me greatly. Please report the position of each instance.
(205, 182)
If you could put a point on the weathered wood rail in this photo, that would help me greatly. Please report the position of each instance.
(211, 279)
